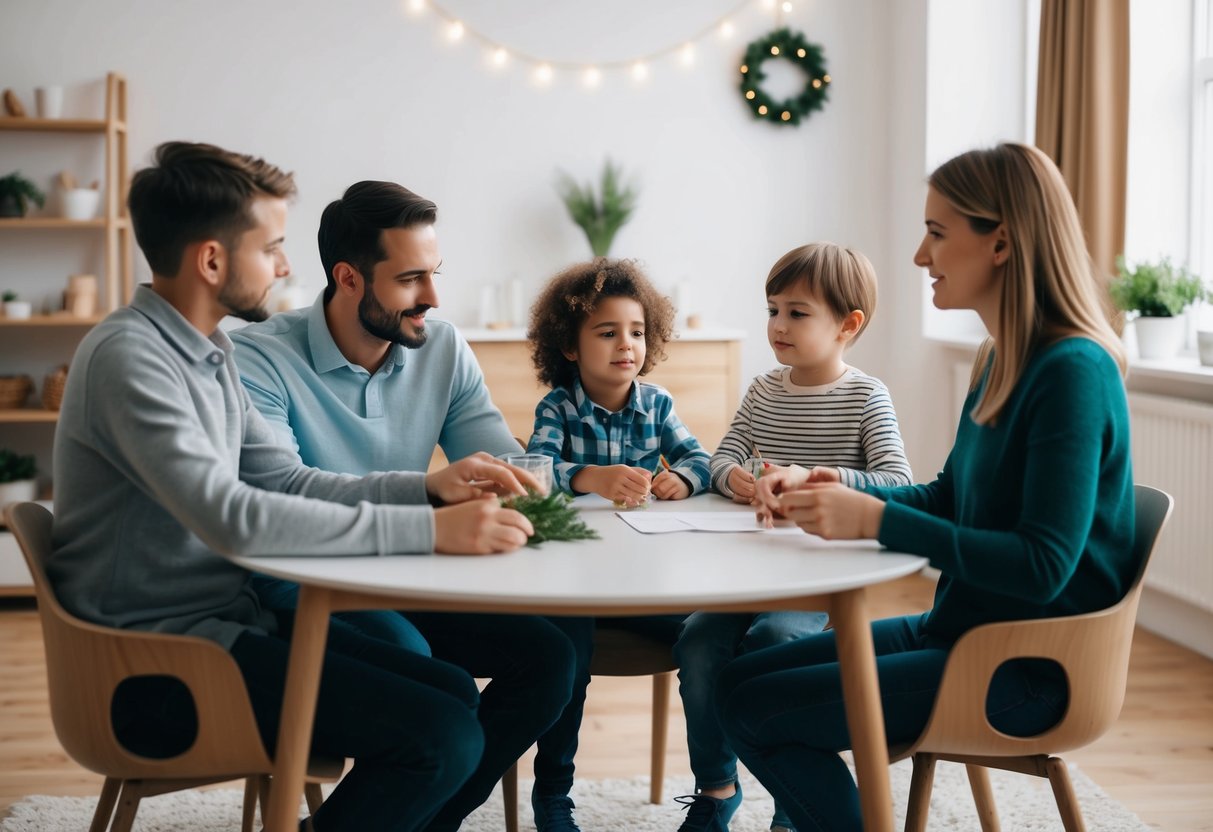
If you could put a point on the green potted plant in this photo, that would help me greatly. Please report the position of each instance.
(1159, 293)
(14, 308)
(16, 193)
(16, 478)
(600, 215)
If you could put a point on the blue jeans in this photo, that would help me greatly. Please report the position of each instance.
(555, 750)
(707, 642)
(782, 711)
(530, 661)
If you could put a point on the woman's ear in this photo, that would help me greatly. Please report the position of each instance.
(1002, 246)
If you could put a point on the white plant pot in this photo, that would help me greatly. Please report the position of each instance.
(18, 310)
(1159, 338)
(20, 491)
(1204, 346)
(81, 203)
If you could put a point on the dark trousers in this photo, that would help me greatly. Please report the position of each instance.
(782, 711)
(555, 750)
(408, 721)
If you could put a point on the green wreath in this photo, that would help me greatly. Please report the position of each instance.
(791, 46)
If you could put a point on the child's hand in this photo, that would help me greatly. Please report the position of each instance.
(621, 484)
(822, 473)
(669, 486)
(742, 484)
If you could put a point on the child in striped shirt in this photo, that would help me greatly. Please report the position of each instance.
(816, 412)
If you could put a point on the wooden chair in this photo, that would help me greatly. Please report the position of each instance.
(86, 662)
(1092, 649)
(622, 653)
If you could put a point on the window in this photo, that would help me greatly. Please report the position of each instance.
(1201, 255)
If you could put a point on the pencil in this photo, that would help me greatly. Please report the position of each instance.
(664, 464)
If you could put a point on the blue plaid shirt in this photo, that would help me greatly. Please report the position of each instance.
(575, 432)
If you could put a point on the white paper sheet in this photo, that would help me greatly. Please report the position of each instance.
(662, 522)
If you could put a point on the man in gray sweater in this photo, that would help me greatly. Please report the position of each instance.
(163, 468)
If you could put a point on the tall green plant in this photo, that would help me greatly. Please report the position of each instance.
(600, 215)
(1156, 290)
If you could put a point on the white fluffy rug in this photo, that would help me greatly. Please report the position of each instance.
(1025, 804)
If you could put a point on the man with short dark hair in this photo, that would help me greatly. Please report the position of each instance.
(362, 382)
(163, 468)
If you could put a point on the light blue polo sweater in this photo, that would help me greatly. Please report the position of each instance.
(338, 417)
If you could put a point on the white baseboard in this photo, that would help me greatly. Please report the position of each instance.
(1177, 620)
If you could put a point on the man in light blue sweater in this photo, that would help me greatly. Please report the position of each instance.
(360, 382)
(163, 467)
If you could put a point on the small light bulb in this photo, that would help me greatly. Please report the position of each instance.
(762, 109)
(768, 4)
(825, 78)
(543, 74)
(640, 71)
(455, 31)
(726, 29)
(688, 54)
(787, 7)
(500, 56)
(816, 83)
(749, 94)
(592, 77)
(774, 50)
(785, 115)
(744, 69)
(800, 53)
(415, 6)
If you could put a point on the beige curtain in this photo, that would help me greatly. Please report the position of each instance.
(1082, 112)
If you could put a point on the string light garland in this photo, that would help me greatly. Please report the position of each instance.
(544, 71)
(784, 44)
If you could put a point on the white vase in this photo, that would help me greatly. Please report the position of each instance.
(20, 491)
(1159, 338)
(18, 310)
(1204, 346)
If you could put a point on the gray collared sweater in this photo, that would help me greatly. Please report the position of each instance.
(162, 467)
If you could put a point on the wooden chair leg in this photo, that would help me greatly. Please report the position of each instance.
(128, 805)
(263, 793)
(250, 804)
(921, 782)
(509, 797)
(1063, 792)
(661, 717)
(983, 797)
(105, 804)
(313, 796)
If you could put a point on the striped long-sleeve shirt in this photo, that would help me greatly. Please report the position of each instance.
(575, 432)
(848, 424)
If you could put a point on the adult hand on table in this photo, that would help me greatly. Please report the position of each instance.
(477, 475)
(832, 510)
(479, 527)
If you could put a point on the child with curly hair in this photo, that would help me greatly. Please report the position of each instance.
(594, 329)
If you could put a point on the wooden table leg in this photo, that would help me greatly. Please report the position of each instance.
(298, 708)
(865, 720)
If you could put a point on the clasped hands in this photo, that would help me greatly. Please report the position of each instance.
(471, 519)
(629, 487)
(814, 499)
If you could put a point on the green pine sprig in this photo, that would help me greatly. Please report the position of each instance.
(553, 517)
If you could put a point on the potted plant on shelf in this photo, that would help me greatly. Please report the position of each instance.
(14, 308)
(16, 193)
(1158, 292)
(600, 215)
(16, 478)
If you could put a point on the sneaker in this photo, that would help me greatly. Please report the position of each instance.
(708, 814)
(780, 822)
(554, 813)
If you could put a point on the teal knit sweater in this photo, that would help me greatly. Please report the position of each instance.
(1031, 517)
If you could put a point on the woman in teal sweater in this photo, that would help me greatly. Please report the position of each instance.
(1031, 517)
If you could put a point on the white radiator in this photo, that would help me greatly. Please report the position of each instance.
(1173, 450)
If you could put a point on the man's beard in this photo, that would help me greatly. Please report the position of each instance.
(383, 323)
(238, 307)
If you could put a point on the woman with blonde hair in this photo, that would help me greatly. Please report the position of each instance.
(1031, 517)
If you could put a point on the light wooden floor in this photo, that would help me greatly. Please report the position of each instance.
(1158, 760)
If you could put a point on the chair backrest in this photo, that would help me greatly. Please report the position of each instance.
(619, 652)
(86, 662)
(1092, 649)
